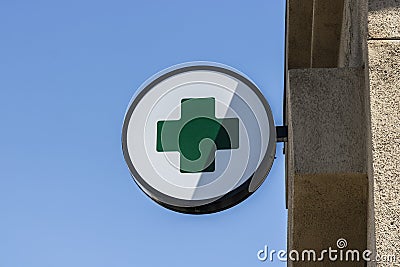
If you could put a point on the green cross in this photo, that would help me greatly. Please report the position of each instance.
(197, 135)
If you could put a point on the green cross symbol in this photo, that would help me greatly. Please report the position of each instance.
(197, 135)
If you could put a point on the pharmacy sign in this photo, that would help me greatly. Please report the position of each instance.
(199, 138)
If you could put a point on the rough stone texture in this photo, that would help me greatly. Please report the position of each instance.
(325, 208)
(384, 72)
(384, 19)
(326, 161)
(344, 126)
(289, 172)
(353, 35)
(328, 120)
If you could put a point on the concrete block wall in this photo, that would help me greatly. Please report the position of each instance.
(384, 99)
(343, 115)
(328, 183)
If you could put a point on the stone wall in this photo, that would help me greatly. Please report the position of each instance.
(343, 115)
(384, 98)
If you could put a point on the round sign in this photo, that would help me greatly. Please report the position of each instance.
(199, 138)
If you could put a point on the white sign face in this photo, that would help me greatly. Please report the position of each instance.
(199, 138)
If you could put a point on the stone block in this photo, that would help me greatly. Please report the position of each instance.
(384, 19)
(327, 120)
(384, 94)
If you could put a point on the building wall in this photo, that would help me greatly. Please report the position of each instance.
(328, 186)
(343, 115)
(384, 99)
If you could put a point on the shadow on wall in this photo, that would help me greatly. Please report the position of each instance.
(376, 5)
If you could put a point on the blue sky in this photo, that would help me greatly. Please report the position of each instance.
(68, 70)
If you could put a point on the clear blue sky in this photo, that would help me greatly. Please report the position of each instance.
(68, 70)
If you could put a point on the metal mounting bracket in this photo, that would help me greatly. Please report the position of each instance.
(281, 133)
